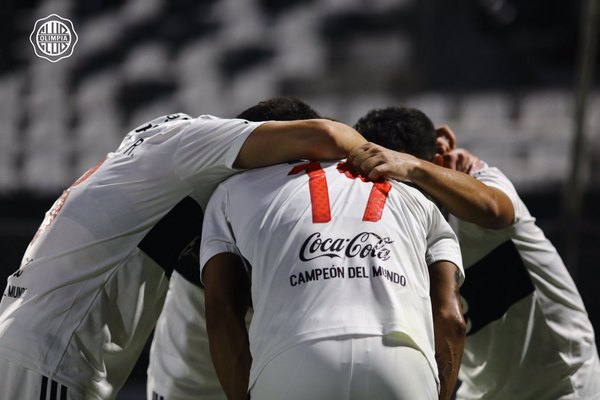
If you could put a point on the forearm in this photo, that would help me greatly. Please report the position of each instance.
(319, 139)
(449, 345)
(462, 195)
(336, 142)
(230, 352)
(281, 141)
(227, 298)
(448, 324)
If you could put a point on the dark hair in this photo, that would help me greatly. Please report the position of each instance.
(401, 129)
(279, 109)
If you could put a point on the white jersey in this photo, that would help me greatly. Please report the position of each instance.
(180, 366)
(331, 255)
(529, 336)
(93, 280)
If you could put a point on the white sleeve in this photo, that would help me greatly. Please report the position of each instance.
(493, 177)
(209, 142)
(442, 243)
(217, 236)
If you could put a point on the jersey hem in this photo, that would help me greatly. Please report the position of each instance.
(337, 333)
(29, 364)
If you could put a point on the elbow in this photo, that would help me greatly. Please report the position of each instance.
(497, 217)
(324, 143)
(331, 140)
(499, 210)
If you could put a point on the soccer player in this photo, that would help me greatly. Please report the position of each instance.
(76, 314)
(180, 365)
(355, 287)
(529, 336)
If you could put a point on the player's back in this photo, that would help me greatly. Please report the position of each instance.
(84, 285)
(332, 255)
(529, 334)
(93, 279)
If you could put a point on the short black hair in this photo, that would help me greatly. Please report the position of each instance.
(282, 108)
(401, 129)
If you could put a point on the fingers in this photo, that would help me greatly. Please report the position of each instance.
(369, 159)
(442, 145)
(468, 160)
(461, 163)
(360, 154)
(378, 172)
(372, 166)
(438, 159)
(450, 160)
(374, 161)
(460, 160)
(366, 157)
(447, 135)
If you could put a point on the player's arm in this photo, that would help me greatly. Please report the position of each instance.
(448, 324)
(227, 298)
(279, 141)
(461, 194)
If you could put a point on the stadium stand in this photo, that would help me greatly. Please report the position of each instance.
(501, 78)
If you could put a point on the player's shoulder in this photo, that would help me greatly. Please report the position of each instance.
(158, 125)
(494, 177)
(208, 117)
(278, 174)
(250, 176)
(289, 168)
(407, 195)
(487, 172)
(165, 119)
(409, 190)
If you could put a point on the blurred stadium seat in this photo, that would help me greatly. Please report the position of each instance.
(503, 84)
(219, 56)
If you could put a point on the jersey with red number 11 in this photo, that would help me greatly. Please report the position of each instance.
(319, 192)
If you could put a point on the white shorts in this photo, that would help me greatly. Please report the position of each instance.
(180, 365)
(348, 368)
(202, 390)
(587, 379)
(17, 382)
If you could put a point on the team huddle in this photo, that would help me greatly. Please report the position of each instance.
(281, 255)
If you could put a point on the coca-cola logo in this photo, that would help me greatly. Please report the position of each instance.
(364, 244)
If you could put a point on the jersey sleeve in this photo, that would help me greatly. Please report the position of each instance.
(217, 236)
(442, 244)
(210, 142)
(493, 177)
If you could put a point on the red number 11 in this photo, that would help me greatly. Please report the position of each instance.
(319, 193)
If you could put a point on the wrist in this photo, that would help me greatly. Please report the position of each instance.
(417, 169)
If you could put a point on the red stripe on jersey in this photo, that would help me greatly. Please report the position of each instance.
(377, 197)
(376, 202)
(319, 193)
(88, 173)
(58, 204)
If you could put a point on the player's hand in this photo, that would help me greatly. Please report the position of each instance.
(462, 160)
(374, 162)
(445, 140)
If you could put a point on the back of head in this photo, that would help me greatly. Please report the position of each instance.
(279, 109)
(401, 129)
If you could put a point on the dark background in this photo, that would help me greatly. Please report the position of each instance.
(501, 73)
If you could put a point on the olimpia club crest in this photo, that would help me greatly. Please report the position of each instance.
(53, 38)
